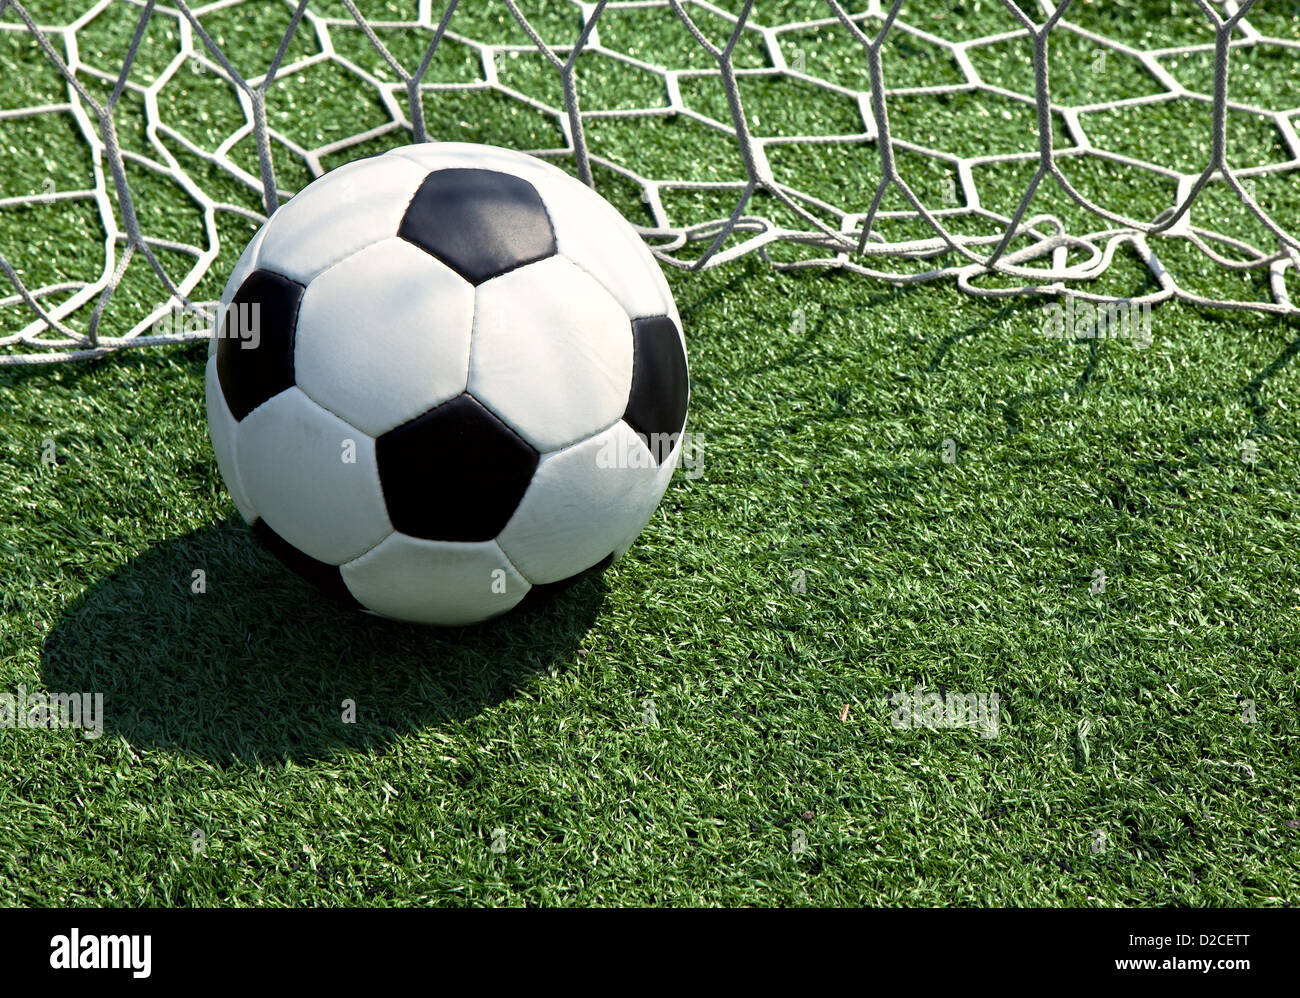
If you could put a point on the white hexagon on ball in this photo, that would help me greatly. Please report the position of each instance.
(312, 477)
(435, 582)
(344, 211)
(553, 534)
(388, 317)
(552, 353)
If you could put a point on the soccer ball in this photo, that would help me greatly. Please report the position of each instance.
(443, 376)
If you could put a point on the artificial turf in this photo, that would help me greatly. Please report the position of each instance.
(675, 731)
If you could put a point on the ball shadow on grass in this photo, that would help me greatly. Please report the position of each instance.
(258, 667)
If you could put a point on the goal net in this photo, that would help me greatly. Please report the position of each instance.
(1118, 151)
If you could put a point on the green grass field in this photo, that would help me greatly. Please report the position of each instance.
(1108, 544)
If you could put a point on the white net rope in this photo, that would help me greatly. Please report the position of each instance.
(886, 224)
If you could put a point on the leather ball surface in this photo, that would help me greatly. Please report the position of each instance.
(443, 376)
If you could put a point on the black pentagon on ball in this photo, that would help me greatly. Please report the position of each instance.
(656, 406)
(455, 473)
(255, 347)
(481, 223)
(323, 575)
